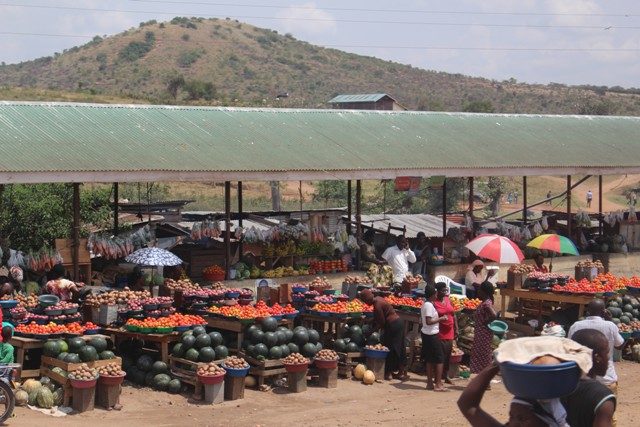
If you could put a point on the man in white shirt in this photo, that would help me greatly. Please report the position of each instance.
(596, 320)
(399, 257)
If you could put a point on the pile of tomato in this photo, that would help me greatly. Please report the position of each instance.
(471, 303)
(260, 309)
(600, 284)
(34, 328)
(214, 269)
(327, 266)
(354, 306)
(172, 321)
(404, 301)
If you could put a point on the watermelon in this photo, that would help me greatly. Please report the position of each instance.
(284, 348)
(301, 337)
(352, 347)
(628, 308)
(75, 344)
(309, 350)
(216, 339)
(257, 338)
(358, 338)
(251, 328)
(269, 324)
(299, 328)
(635, 312)
(613, 304)
(203, 340)
(314, 336)
(159, 367)
(72, 358)
(148, 379)
(222, 352)
(99, 343)
(293, 348)
(64, 347)
(199, 330)
(144, 363)
(186, 334)
(339, 345)
(615, 320)
(250, 349)
(88, 354)
(62, 356)
(126, 362)
(60, 371)
(373, 339)
(281, 337)
(270, 339)
(188, 341)
(139, 377)
(207, 354)
(177, 350)
(261, 350)
(106, 355)
(275, 352)
(174, 386)
(288, 333)
(355, 329)
(44, 398)
(52, 348)
(625, 319)
(161, 381)
(58, 397)
(318, 347)
(615, 311)
(192, 354)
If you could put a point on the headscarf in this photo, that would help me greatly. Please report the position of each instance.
(476, 263)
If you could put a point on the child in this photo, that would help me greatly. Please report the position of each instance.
(6, 349)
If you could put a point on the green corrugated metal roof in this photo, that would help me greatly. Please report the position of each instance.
(52, 142)
(363, 97)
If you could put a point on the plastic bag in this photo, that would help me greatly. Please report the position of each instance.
(553, 330)
(526, 234)
(537, 229)
(13, 258)
(545, 223)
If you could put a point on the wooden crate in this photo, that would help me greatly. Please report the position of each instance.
(515, 280)
(65, 247)
(52, 362)
(262, 369)
(185, 370)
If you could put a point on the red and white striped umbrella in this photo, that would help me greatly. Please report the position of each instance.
(496, 248)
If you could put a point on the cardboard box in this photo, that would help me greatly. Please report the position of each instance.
(285, 293)
(515, 280)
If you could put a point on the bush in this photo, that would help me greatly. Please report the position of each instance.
(136, 50)
(185, 59)
(186, 37)
(197, 89)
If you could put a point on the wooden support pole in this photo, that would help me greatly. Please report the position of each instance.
(76, 232)
(116, 209)
(227, 221)
(444, 208)
(240, 215)
(569, 206)
(524, 200)
(471, 200)
(600, 219)
(349, 206)
(359, 210)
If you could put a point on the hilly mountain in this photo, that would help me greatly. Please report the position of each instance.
(226, 62)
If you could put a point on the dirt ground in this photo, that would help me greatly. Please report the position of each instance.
(352, 404)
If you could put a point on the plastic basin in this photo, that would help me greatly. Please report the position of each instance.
(209, 380)
(375, 354)
(326, 364)
(83, 384)
(232, 295)
(92, 331)
(182, 328)
(48, 300)
(52, 312)
(111, 380)
(455, 359)
(296, 368)
(166, 330)
(8, 304)
(234, 372)
(540, 381)
(299, 289)
(498, 327)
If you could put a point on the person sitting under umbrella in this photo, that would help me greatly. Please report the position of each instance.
(540, 267)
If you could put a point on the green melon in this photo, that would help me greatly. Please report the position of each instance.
(192, 354)
(309, 350)
(339, 345)
(188, 341)
(199, 330)
(275, 352)
(159, 367)
(293, 348)
(107, 355)
(75, 344)
(161, 382)
(145, 362)
(174, 386)
(88, 354)
(51, 348)
(222, 352)
(203, 340)
(216, 338)
(72, 358)
(177, 350)
(207, 354)
(314, 336)
(99, 343)
(60, 371)
(269, 324)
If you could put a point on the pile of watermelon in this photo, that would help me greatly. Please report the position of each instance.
(623, 310)
(146, 371)
(199, 346)
(267, 340)
(354, 338)
(77, 350)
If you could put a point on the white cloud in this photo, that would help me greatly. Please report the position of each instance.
(298, 19)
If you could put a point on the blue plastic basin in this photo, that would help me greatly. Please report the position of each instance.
(232, 372)
(540, 381)
(375, 354)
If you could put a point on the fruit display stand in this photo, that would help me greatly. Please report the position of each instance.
(327, 373)
(297, 377)
(543, 297)
(332, 324)
(185, 371)
(238, 327)
(412, 326)
(162, 341)
(108, 391)
(376, 365)
(84, 395)
(27, 348)
(262, 369)
(347, 362)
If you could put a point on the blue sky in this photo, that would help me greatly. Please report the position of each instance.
(564, 41)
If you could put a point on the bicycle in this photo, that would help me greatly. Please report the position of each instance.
(7, 398)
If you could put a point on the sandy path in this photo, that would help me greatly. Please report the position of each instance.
(352, 404)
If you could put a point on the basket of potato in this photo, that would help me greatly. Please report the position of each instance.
(326, 359)
(111, 374)
(211, 374)
(295, 362)
(83, 377)
(236, 366)
(377, 351)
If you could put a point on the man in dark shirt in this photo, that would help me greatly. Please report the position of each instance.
(592, 404)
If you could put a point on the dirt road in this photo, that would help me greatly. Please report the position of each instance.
(352, 404)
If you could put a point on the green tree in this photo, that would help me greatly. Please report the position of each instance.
(479, 107)
(34, 215)
(331, 191)
(495, 189)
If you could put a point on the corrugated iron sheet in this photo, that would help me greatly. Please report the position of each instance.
(362, 97)
(431, 225)
(67, 137)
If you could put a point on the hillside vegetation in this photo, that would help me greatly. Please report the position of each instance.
(225, 62)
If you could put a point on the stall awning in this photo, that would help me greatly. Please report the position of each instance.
(68, 142)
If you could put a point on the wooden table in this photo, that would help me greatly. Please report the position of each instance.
(580, 300)
(161, 340)
(22, 346)
(234, 325)
(333, 324)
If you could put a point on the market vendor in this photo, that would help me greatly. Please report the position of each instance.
(422, 252)
(540, 267)
(6, 287)
(398, 257)
(368, 254)
(474, 277)
(59, 286)
(387, 320)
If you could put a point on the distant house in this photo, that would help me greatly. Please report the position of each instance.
(366, 101)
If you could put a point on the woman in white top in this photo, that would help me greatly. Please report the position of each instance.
(474, 277)
(432, 351)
